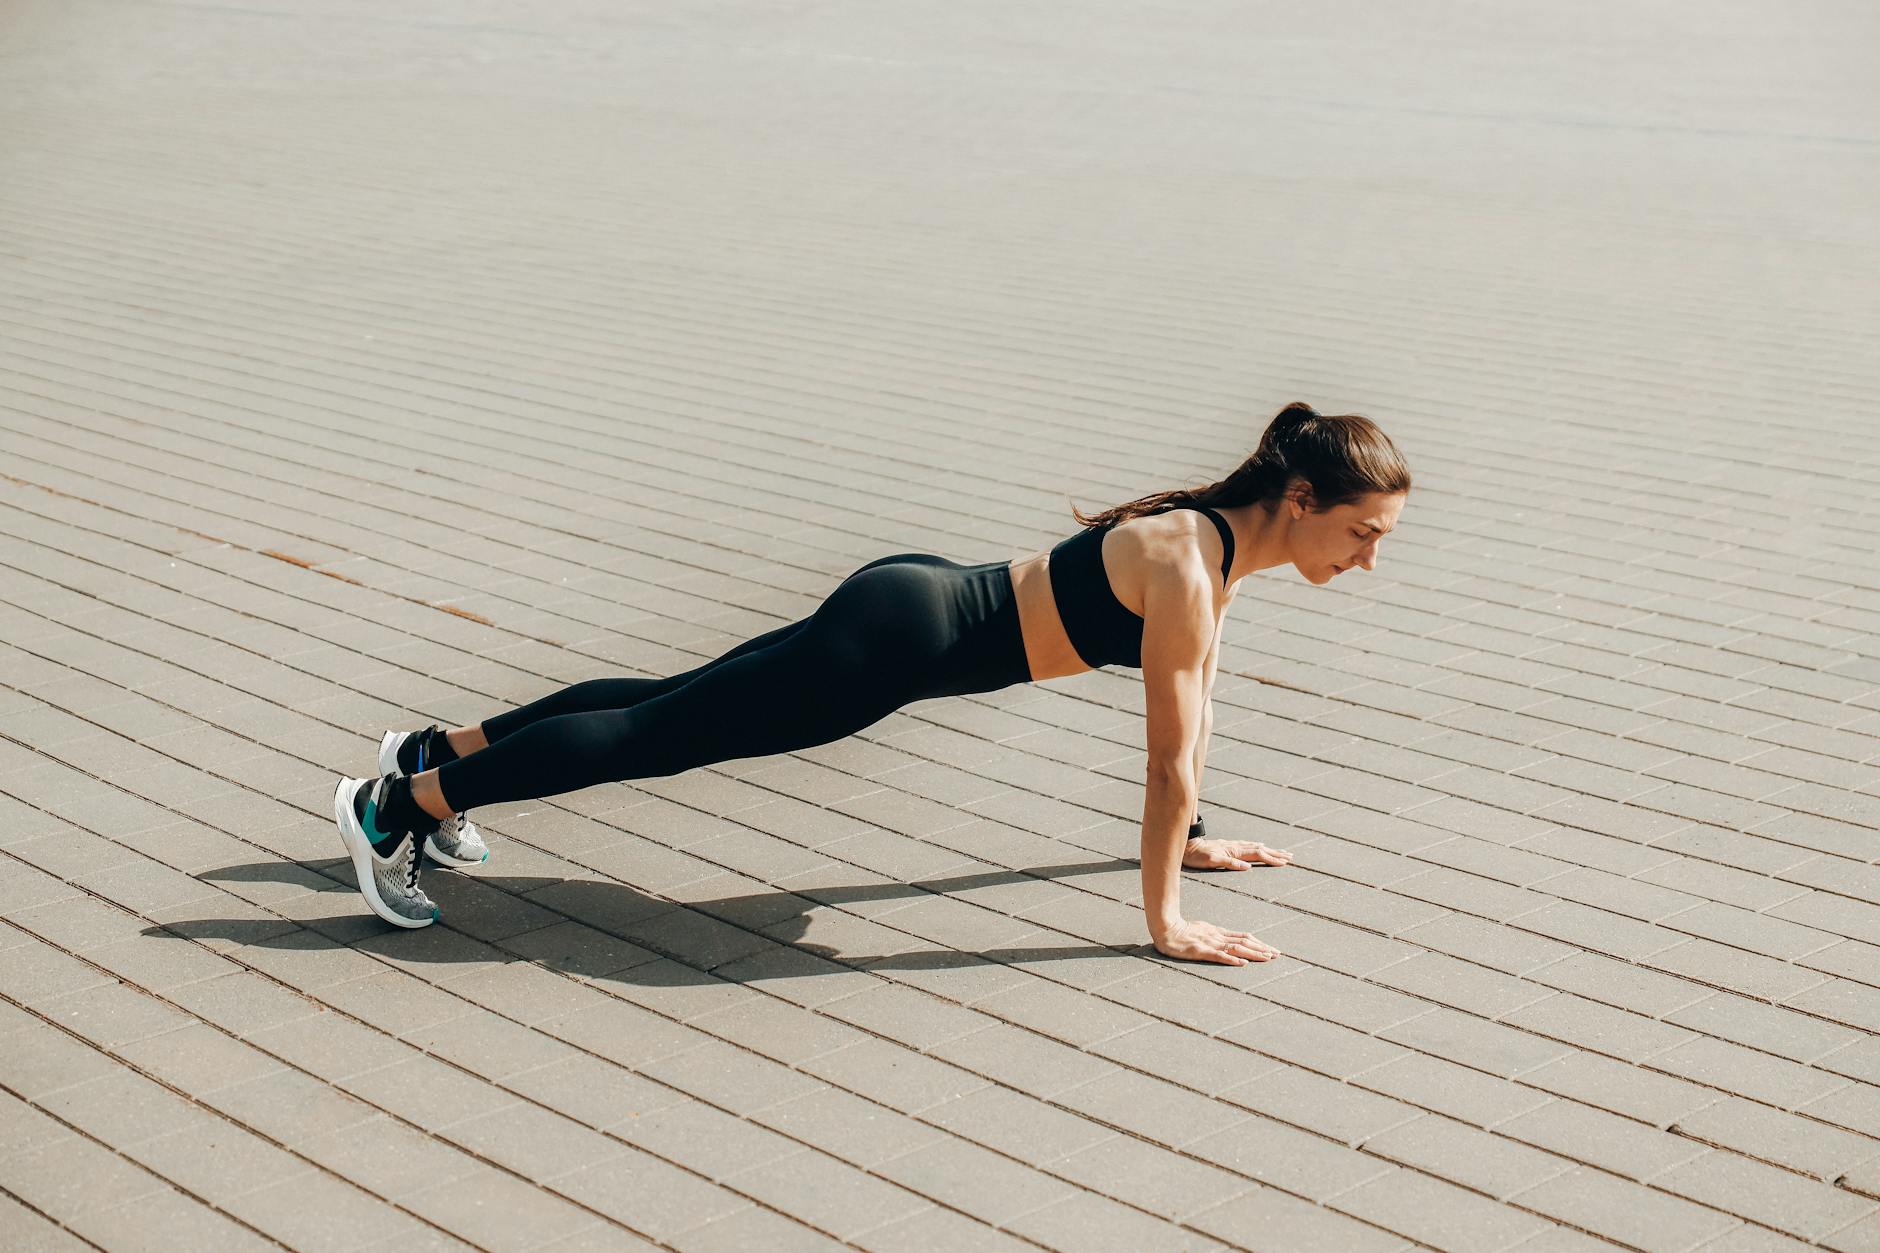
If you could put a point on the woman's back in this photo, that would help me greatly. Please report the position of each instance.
(1104, 628)
(1101, 571)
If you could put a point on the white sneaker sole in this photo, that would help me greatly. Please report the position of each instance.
(353, 836)
(388, 764)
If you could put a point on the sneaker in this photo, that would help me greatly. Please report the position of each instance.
(456, 841)
(389, 884)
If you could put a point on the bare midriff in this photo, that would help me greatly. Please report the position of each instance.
(1048, 649)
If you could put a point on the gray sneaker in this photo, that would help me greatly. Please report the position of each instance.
(389, 884)
(456, 842)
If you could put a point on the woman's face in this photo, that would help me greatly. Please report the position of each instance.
(1327, 543)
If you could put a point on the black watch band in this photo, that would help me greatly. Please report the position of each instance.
(1197, 831)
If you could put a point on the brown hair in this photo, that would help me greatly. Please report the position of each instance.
(1339, 458)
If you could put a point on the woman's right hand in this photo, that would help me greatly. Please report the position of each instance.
(1205, 942)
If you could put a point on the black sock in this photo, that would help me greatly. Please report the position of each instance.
(397, 815)
(402, 811)
(426, 750)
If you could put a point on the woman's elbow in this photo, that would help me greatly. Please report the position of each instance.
(1172, 774)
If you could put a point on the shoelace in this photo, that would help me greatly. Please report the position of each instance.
(412, 864)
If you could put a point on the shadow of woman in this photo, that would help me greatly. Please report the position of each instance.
(710, 940)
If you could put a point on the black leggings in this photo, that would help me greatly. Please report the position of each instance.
(900, 629)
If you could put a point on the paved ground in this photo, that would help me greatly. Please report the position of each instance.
(368, 365)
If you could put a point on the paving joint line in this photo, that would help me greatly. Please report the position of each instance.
(1323, 917)
(1003, 1084)
(120, 1154)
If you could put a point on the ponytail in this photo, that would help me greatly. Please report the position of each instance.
(1338, 459)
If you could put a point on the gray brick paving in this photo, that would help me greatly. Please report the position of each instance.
(358, 370)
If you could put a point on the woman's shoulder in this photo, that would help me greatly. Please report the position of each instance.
(1175, 537)
(1162, 550)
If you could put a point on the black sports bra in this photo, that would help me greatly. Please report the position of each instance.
(1102, 629)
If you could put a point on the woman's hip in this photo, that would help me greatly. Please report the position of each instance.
(949, 628)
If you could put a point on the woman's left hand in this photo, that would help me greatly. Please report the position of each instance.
(1208, 854)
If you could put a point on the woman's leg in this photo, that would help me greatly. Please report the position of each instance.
(600, 694)
(862, 655)
(624, 693)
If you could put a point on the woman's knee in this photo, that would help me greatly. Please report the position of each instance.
(602, 695)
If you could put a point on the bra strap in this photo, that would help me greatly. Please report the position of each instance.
(1227, 540)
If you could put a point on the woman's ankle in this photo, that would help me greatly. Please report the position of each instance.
(466, 740)
(428, 796)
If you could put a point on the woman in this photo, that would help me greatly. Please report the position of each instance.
(1144, 584)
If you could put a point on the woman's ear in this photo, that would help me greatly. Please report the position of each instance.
(1298, 498)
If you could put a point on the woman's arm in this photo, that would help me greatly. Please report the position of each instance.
(1213, 854)
(1178, 626)
(1207, 708)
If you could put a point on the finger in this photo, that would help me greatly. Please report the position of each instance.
(1237, 864)
(1271, 856)
(1227, 958)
